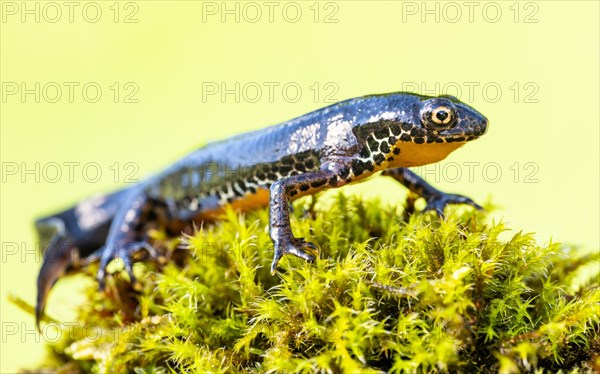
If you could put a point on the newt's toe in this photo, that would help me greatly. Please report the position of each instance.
(123, 252)
(295, 246)
(439, 203)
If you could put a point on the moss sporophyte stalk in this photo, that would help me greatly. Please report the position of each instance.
(388, 293)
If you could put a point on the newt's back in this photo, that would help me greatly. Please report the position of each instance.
(224, 171)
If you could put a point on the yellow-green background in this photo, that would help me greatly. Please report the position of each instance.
(171, 51)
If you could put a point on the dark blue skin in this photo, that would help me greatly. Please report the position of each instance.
(327, 148)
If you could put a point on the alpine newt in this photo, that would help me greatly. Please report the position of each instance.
(328, 148)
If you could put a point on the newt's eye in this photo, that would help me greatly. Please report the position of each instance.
(442, 116)
(438, 114)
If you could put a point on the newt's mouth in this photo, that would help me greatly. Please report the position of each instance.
(459, 139)
(469, 133)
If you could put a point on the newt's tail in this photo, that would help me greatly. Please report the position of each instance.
(59, 257)
(69, 240)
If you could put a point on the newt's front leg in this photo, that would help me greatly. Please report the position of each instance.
(282, 192)
(436, 199)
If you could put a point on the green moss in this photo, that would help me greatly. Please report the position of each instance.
(387, 294)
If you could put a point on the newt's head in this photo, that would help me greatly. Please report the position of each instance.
(434, 128)
(445, 119)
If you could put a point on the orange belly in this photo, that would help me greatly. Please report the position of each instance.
(247, 203)
(412, 154)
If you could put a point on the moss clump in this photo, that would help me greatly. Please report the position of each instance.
(388, 294)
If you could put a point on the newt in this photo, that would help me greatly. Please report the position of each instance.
(328, 148)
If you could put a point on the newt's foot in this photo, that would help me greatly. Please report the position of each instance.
(123, 252)
(438, 203)
(293, 246)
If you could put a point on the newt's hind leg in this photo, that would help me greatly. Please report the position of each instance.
(125, 237)
(282, 192)
(436, 199)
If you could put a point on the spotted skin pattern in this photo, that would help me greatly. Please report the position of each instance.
(328, 148)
